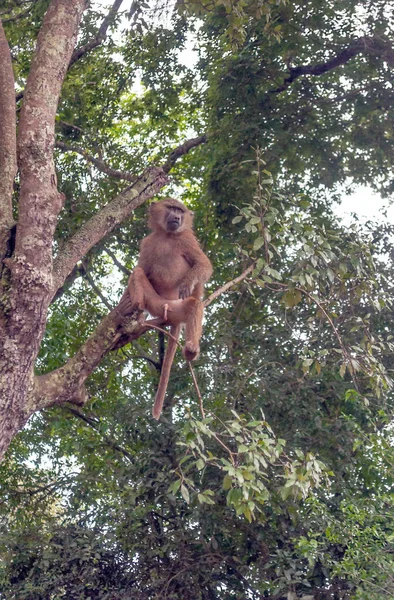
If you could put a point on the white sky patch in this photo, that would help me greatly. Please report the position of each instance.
(188, 57)
(366, 204)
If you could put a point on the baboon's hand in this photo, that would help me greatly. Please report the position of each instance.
(185, 290)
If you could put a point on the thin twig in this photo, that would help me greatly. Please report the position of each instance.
(336, 332)
(116, 262)
(230, 453)
(95, 425)
(228, 285)
(97, 290)
(20, 15)
(167, 333)
(264, 364)
(197, 389)
(142, 356)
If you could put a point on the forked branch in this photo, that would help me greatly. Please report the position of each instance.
(100, 35)
(117, 329)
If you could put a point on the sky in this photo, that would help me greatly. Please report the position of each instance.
(367, 205)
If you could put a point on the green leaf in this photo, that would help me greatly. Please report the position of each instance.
(185, 494)
(227, 482)
(258, 243)
(291, 298)
(200, 464)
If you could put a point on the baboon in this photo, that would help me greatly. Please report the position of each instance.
(169, 281)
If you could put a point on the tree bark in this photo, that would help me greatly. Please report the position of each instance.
(66, 384)
(7, 142)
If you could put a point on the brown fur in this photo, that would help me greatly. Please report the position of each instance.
(169, 280)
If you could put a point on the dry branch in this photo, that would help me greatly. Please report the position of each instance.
(99, 164)
(364, 45)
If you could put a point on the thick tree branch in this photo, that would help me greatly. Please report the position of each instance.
(364, 45)
(100, 35)
(30, 267)
(7, 141)
(99, 164)
(66, 384)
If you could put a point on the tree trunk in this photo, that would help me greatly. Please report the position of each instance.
(27, 274)
(14, 388)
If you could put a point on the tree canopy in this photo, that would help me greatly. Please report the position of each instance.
(270, 474)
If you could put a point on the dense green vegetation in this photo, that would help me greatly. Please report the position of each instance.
(279, 483)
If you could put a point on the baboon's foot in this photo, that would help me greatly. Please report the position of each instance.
(191, 350)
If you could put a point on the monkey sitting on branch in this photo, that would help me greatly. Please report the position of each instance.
(169, 281)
